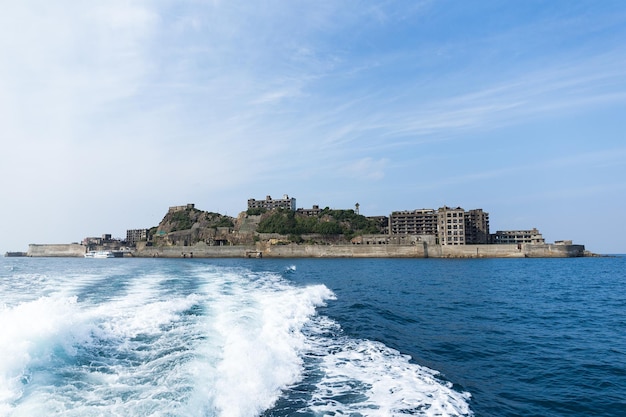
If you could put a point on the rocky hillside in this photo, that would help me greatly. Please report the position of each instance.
(193, 218)
(189, 226)
(344, 223)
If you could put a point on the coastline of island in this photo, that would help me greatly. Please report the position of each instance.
(273, 228)
(294, 250)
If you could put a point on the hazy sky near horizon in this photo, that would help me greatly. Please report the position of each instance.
(110, 112)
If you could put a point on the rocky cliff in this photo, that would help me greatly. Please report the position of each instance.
(189, 226)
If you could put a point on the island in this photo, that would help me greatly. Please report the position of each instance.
(275, 228)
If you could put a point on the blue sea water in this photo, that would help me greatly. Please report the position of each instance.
(313, 337)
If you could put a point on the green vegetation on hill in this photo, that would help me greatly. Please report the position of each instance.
(255, 211)
(218, 220)
(328, 222)
(189, 226)
(185, 219)
(181, 220)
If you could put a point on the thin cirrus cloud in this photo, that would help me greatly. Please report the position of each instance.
(236, 96)
(530, 95)
(573, 163)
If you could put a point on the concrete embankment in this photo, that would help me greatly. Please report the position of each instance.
(419, 250)
(56, 250)
(265, 250)
(196, 251)
(507, 251)
(423, 251)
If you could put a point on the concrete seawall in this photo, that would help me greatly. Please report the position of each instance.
(56, 250)
(507, 251)
(423, 251)
(418, 250)
(265, 250)
(342, 251)
(196, 251)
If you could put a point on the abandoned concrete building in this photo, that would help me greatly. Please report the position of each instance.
(270, 204)
(451, 226)
(517, 237)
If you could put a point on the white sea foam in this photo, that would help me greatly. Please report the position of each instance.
(120, 357)
(231, 347)
(255, 325)
(31, 332)
(367, 378)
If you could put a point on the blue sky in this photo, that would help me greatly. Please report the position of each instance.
(110, 112)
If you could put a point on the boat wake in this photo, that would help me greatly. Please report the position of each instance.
(204, 342)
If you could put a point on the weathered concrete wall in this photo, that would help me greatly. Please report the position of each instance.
(342, 251)
(266, 250)
(476, 251)
(57, 250)
(196, 251)
(554, 251)
(422, 251)
(418, 250)
(506, 251)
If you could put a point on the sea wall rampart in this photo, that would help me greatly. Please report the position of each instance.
(554, 251)
(342, 251)
(422, 250)
(417, 250)
(526, 250)
(200, 250)
(56, 250)
(267, 250)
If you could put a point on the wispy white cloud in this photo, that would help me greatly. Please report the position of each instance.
(366, 168)
(569, 165)
(547, 92)
(210, 95)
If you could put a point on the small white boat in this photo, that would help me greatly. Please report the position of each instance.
(101, 254)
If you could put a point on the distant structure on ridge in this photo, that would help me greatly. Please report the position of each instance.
(270, 204)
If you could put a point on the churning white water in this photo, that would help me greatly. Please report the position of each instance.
(191, 339)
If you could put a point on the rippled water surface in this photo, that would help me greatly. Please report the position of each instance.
(308, 337)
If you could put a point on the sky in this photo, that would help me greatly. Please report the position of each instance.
(110, 112)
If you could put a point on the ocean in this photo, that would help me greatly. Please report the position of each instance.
(313, 337)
